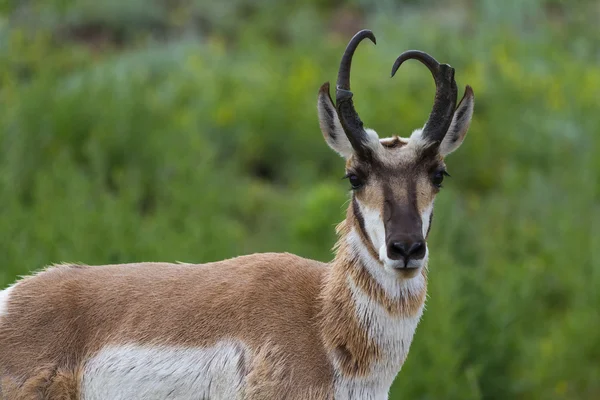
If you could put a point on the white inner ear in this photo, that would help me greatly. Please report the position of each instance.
(330, 124)
(332, 130)
(460, 124)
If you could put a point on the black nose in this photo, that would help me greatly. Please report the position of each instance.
(406, 249)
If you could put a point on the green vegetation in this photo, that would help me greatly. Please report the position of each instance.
(187, 130)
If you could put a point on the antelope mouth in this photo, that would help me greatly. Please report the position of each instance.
(407, 268)
(408, 272)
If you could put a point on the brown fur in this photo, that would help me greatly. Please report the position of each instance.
(43, 383)
(270, 379)
(70, 312)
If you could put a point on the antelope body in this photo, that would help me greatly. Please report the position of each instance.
(263, 326)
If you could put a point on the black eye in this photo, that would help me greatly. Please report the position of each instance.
(355, 181)
(438, 178)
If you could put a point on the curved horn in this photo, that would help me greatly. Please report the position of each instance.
(445, 94)
(353, 126)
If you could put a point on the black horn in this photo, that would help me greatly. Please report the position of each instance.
(353, 126)
(445, 94)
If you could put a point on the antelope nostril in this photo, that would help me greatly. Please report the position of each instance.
(406, 250)
(399, 248)
(417, 249)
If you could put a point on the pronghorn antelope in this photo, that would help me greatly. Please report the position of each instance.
(262, 326)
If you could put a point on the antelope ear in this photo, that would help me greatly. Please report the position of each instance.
(330, 124)
(460, 123)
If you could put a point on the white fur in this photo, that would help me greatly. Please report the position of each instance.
(337, 140)
(459, 126)
(417, 140)
(392, 334)
(4, 295)
(373, 139)
(344, 148)
(426, 218)
(373, 225)
(129, 372)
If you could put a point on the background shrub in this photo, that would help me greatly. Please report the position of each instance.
(187, 130)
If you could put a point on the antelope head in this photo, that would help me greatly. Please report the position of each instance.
(395, 180)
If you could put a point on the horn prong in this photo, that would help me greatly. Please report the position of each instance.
(343, 80)
(425, 58)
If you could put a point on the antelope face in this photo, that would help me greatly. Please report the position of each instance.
(395, 180)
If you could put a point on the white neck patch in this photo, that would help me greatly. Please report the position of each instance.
(393, 335)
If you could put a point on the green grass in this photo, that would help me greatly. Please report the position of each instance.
(190, 133)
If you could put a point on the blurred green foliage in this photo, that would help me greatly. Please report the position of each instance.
(187, 130)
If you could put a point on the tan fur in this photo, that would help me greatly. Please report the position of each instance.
(43, 383)
(270, 379)
(70, 312)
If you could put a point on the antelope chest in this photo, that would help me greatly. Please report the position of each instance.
(393, 336)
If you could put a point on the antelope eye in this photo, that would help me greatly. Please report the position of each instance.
(355, 181)
(438, 178)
